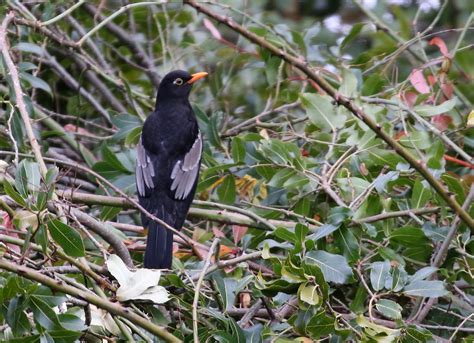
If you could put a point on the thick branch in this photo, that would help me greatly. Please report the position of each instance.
(115, 242)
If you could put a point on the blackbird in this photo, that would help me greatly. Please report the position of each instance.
(168, 163)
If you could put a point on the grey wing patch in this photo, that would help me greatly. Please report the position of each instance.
(185, 171)
(144, 171)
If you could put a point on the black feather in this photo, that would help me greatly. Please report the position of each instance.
(170, 137)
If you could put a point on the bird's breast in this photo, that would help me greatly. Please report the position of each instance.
(171, 136)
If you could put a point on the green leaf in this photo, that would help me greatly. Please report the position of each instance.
(349, 84)
(36, 82)
(64, 336)
(409, 236)
(373, 330)
(213, 130)
(285, 234)
(295, 181)
(436, 233)
(226, 288)
(43, 313)
(314, 274)
(68, 238)
(41, 238)
(71, 322)
(339, 214)
(107, 170)
(109, 212)
(301, 232)
(427, 289)
(125, 123)
(353, 33)
(454, 185)
(429, 110)
(417, 139)
(334, 267)
(348, 243)
(281, 176)
(27, 177)
(397, 279)
(279, 152)
(238, 150)
(309, 293)
(226, 190)
(111, 158)
(373, 84)
(358, 304)
(133, 136)
(266, 172)
(321, 111)
(323, 231)
(321, 325)
(12, 193)
(254, 333)
(27, 66)
(29, 47)
(423, 273)
(389, 309)
(416, 334)
(271, 70)
(379, 272)
(421, 194)
(16, 317)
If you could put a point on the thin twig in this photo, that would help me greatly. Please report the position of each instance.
(63, 14)
(250, 313)
(198, 288)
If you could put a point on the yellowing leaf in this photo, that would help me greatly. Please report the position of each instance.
(470, 119)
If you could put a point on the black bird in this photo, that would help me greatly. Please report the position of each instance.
(168, 163)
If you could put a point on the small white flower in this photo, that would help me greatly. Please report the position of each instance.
(140, 284)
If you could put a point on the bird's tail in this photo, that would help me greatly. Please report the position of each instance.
(159, 247)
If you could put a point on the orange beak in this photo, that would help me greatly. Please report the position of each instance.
(197, 76)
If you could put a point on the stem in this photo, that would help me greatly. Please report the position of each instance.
(63, 14)
(198, 287)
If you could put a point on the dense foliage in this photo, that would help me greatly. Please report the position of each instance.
(309, 221)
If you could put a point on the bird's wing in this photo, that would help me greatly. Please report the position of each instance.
(144, 171)
(186, 169)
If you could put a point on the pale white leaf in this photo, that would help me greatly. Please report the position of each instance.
(118, 269)
(157, 294)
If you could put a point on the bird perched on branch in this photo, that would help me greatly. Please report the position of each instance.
(168, 163)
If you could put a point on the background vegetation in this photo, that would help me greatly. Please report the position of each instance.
(335, 195)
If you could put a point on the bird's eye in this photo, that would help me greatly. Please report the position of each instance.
(178, 81)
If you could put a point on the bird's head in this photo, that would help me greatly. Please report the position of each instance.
(177, 84)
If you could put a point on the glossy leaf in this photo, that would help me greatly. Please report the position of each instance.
(334, 267)
(68, 238)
